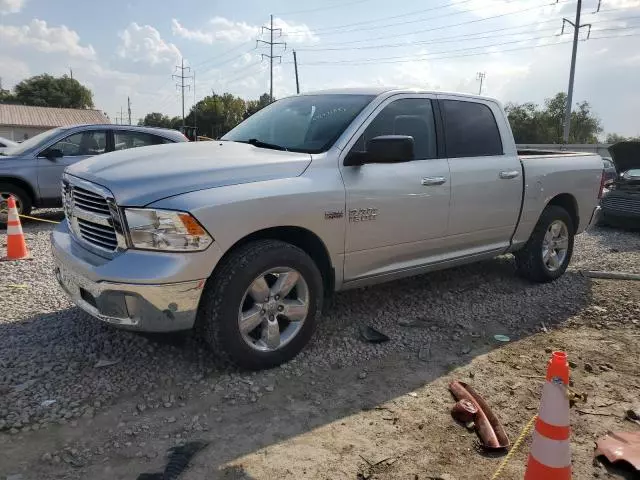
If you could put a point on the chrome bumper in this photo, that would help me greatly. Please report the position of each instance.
(143, 307)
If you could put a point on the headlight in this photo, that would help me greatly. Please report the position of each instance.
(167, 230)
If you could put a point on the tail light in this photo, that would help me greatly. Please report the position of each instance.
(602, 184)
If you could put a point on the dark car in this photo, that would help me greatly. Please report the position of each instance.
(32, 171)
(621, 204)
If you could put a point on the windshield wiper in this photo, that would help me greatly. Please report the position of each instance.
(260, 144)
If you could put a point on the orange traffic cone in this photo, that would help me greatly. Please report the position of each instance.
(550, 456)
(16, 246)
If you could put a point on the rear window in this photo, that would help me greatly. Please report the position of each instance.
(470, 130)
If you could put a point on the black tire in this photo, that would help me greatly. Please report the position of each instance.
(529, 259)
(217, 320)
(24, 199)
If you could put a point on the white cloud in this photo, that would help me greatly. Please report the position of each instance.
(11, 6)
(46, 39)
(220, 29)
(143, 43)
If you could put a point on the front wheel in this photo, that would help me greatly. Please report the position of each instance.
(22, 199)
(260, 309)
(548, 251)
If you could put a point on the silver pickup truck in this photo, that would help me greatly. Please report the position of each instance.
(244, 237)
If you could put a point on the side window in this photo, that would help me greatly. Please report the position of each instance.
(91, 142)
(407, 116)
(470, 130)
(123, 139)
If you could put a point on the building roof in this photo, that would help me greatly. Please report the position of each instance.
(24, 116)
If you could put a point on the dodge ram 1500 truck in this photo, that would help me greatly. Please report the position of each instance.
(243, 238)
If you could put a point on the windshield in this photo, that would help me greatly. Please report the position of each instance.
(33, 142)
(308, 123)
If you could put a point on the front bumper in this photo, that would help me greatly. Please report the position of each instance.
(156, 307)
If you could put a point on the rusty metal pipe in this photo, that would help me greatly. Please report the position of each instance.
(489, 428)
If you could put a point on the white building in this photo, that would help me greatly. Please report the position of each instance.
(20, 122)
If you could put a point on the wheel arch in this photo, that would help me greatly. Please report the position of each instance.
(300, 237)
(569, 203)
(23, 184)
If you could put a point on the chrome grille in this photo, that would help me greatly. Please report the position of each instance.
(98, 234)
(89, 201)
(93, 217)
(625, 204)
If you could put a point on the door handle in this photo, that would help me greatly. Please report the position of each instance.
(507, 174)
(432, 181)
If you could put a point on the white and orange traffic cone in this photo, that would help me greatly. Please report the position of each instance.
(16, 245)
(550, 456)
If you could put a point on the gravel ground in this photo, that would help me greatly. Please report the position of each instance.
(57, 365)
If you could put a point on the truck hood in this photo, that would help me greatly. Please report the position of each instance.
(625, 155)
(140, 176)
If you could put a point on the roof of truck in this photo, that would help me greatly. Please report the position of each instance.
(380, 90)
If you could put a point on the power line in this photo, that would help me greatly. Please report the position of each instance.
(413, 59)
(182, 85)
(442, 27)
(327, 7)
(271, 56)
(365, 22)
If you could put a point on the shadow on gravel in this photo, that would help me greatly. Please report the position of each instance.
(436, 323)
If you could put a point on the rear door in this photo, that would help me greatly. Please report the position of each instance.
(75, 147)
(486, 175)
(124, 139)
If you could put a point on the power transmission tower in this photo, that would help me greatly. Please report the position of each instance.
(295, 64)
(576, 31)
(182, 85)
(129, 109)
(271, 43)
(480, 77)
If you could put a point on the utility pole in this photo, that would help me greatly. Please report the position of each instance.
(480, 77)
(271, 43)
(576, 31)
(195, 110)
(295, 64)
(129, 109)
(182, 85)
(71, 72)
(121, 116)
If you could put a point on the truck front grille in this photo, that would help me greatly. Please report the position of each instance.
(621, 204)
(89, 201)
(93, 217)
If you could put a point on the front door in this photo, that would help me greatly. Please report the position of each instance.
(397, 213)
(75, 147)
(486, 176)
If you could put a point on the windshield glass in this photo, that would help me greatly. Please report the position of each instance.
(33, 142)
(308, 123)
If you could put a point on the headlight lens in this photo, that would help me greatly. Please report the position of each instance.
(166, 230)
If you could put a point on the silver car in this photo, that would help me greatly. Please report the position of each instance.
(32, 171)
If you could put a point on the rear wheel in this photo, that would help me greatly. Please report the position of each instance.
(261, 307)
(22, 198)
(548, 251)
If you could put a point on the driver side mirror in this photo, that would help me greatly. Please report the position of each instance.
(52, 154)
(384, 149)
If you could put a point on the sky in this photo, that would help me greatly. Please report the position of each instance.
(130, 48)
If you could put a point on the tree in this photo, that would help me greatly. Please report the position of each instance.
(157, 119)
(217, 114)
(615, 138)
(532, 124)
(254, 106)
(48, 91)
(6, 96)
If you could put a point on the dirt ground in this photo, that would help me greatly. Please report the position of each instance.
(388, 419)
